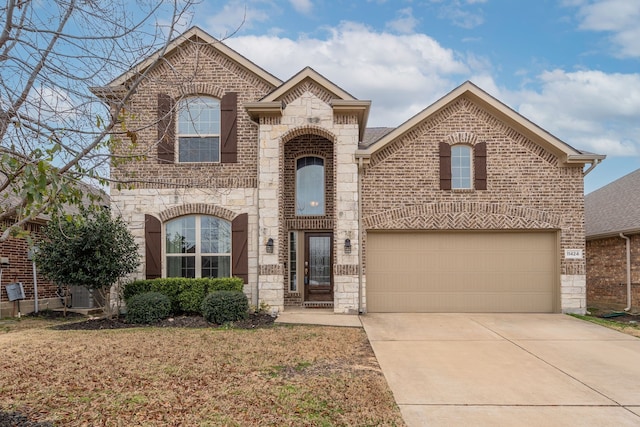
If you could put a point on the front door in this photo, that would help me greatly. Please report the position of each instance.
(318, 277)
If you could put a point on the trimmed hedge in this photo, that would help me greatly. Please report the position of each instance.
(225, 306)
(186, 295)
(148, 307)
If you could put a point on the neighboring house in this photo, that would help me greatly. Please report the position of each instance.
(466, 207)
(20, 269)
(612, 223)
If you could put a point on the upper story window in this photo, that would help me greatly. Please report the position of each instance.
(198, 246)
(461, 167)
(199, 129)
(310, 186)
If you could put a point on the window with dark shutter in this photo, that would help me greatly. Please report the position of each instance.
(153, 247)
(445, 166)
(229, 128)
(239, 252)
(480, 166)
(166, 129)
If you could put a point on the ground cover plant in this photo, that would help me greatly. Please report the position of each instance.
(151, 376)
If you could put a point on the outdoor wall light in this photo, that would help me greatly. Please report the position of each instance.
(347, 246)
(270, 246)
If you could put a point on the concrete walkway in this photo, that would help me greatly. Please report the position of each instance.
(507, 369)
(317, 316)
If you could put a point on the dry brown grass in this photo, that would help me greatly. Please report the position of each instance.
(295, 375)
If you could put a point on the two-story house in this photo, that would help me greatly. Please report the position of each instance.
(466, 207)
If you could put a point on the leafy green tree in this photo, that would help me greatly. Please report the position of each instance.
(92, 249)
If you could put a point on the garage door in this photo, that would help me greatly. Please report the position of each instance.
(461, 272)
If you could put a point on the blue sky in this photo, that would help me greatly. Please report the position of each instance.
(571, 66)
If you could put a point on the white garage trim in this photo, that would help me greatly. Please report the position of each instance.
(483, 271)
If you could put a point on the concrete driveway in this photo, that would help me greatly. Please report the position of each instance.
(507, 369)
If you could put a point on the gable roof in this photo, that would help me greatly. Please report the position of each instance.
(341, 100)
(191, 34)
(564, 151)
(614, 208)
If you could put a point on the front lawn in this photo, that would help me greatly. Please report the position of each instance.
(281, 375)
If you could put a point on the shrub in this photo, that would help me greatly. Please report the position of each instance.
(186, 295)
(191, 296)
(148, 307)
(225, 306)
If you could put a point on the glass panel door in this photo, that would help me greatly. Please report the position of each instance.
(318, 267)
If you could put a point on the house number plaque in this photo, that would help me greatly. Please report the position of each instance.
(573, 253)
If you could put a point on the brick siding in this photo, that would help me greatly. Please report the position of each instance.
(526, 187)
(607, 272)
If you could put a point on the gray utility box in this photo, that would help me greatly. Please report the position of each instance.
(15, 291)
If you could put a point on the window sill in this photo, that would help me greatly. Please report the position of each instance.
(462, 190)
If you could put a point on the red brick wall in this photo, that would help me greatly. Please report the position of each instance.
(527, 186)
(195, 69)
(21, 269)
(607, 272)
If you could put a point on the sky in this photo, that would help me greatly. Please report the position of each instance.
(570, 66)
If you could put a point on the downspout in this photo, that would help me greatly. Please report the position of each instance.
(595, 163)
(257, 293)
(360, 167)
(628, 271)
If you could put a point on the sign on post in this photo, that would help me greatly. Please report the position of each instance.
(15, 291)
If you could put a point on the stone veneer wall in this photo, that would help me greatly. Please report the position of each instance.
(607, 272)
(527, 188)
(166, 190)
(166, 204)
(307, 115)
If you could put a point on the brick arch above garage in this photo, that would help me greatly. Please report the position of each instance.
(462, 215)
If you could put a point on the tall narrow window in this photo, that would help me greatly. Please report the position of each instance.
(199, 129)
(310, 186)
(293, 262)
(198, 246)
(460, 166)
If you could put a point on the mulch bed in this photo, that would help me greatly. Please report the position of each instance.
(255, 320)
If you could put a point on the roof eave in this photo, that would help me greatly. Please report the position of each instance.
(609, 234)
(258, 109)
(215, 43)
(357, 107)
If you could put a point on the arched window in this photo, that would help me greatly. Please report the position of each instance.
(461, 166)
(310, 186)
(198, 246)
(199, 129)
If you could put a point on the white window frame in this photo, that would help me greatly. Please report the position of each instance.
(183, 115)
(198, 254)
(324, 185)
(456, 170)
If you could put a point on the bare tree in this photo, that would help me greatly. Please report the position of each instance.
(55, 134)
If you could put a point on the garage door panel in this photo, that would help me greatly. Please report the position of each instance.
(461, 272)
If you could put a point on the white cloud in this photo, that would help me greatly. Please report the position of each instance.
(236, 15)
(302, 6)
(590, 110)
(461, 15)
(405, 23)
(400, 74)
(619, 17)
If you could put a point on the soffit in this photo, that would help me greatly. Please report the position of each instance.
(564, 151)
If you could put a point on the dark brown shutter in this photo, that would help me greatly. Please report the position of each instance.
(166, 129)
(153, 247)
(480, 165)
(229, 128)
(445, 166)
(239, 253)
